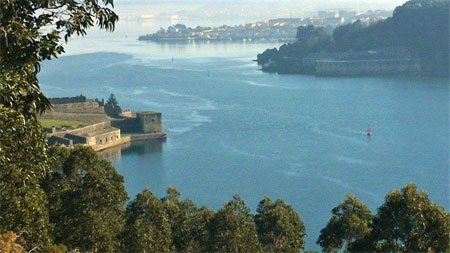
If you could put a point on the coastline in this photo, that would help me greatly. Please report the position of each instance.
(130, 139)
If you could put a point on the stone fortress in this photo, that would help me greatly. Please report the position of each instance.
(103, 124)
(385, 61)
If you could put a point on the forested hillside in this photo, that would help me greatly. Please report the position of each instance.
(419, 25)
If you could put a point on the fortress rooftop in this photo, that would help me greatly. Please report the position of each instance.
(149, 112)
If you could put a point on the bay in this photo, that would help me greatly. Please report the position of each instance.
(239, 130)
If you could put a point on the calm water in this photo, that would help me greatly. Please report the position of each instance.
(299, 138)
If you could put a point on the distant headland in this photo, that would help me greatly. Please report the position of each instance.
(282, 29)
(97, 123)
(413, 41)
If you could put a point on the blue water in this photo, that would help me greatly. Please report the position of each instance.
(299, 138)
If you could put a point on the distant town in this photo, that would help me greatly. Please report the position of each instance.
(283, 29)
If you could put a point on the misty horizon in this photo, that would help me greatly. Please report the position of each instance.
(239, 11)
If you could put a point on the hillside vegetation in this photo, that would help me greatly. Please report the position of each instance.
(421, 26)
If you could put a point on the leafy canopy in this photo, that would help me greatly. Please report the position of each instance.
(147, 226)
(87, 199)
(233, 229)
(350, 221)
(279, 227)
(31, 31)
(23, 165)
(408, 221)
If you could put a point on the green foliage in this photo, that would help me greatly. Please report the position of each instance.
(30, 32)
(147, 227)
(233, 229)
(279, 227)
(198, 236)
(409, 27)
(86, 197)
(23, 165)
(409, 221)
(56, 249)
(312, 37)
(112, 101)
(189, 225)
(342, 33)
(180, 214)
(350, 221)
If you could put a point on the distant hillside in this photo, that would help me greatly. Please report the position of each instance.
(421, 26)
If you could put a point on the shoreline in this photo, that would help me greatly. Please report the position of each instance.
(161, 136)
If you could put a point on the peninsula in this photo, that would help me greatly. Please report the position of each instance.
(409, 42)
(281, 29)
(98, 124)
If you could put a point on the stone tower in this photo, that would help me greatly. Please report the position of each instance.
(149, 122)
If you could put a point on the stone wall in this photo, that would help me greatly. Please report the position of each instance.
(126, 125)
(367, 67)
(87, 118)
(108, 145)
(107, 137)
(60, 140)
(149, 122)
(67, 100)
(76, 139)
(85, 130)
(83, 107)
(98, 135)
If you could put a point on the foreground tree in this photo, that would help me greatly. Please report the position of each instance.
(279, 227)
(23, 165)
(408, 221)
(197, 236)
(86, 198)
(147, 227)
(180, 214)
(351, 221)
(31, 31)
(188, 223)
(233, 229)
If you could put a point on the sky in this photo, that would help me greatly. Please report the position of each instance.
(241, 10)
(134, 14)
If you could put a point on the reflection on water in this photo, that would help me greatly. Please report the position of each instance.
(143, 166)
(114, 152)
(139, 147)
(143, 147)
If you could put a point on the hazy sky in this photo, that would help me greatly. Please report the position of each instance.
(250, 10)
(221, 12)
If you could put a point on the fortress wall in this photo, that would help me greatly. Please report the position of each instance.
(111, 144)
(107, 138)
(85, 130)
(60, 140)
(367, 67)
(76, 139)
(89, 129)
(66, 100)
(150, 122)
(83, 107)
(87, 118)
(127, 125)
